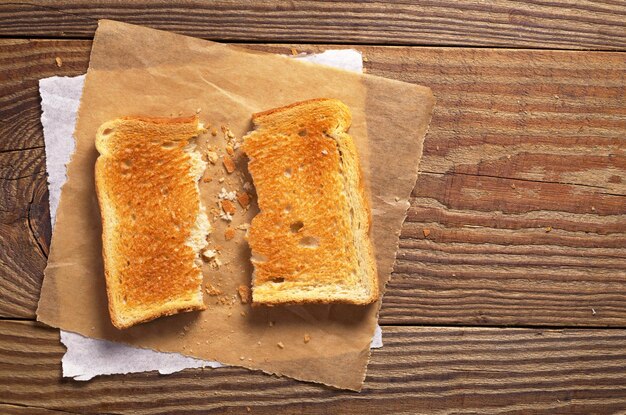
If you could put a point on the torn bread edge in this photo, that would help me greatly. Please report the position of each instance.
(197, 239)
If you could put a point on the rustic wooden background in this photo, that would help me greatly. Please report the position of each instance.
(514, 302)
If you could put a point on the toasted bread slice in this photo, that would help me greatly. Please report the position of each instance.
(310, 242)
(153, 223)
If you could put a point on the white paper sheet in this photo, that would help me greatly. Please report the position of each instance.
(85, 357)
(60, 98)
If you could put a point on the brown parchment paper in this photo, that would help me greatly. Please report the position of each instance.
(140, 71)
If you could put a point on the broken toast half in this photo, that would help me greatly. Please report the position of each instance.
(153, 222)
(311, 240)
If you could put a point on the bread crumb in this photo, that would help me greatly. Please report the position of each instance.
(365, 59)
(512, 185)
(243, 227)
(280, 345)
(307, 338)
(241, 358)
(593, 209)
(271, 324)
(426, 232)
(243, 313)
(198, 110)
(212, 291)
(294, 51)
(229, 233)
(221, 180)
(548, 229)
(228, 134)
(216, 263)
(58, 61)
(244, 199)
(245, 294)
(397, 199)
(229, 207)
(214, 132)
(209, 253)
(259, 343)
(212, 156)
(226, 217)
(325, 152)
(207, 179)
(230, 150)
(227, 195)
(229, 164)
(248, 408)
(593, 311)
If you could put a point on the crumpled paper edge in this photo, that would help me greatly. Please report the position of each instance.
(116, 358)
(58, 124)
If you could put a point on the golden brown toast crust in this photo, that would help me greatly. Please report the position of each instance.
(149, 204)
(310, 192)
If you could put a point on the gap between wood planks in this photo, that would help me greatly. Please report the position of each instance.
(251, 42)
(541, 327)
(17, 408)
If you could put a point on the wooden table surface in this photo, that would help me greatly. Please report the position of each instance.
(509, 290)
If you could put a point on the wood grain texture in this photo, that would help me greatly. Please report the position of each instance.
(522, 187)
(559, 24)
(24, 241)
(24, 215)
(522, 184)
(7, 409)
(431, 370)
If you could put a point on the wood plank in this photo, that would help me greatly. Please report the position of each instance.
(419, 370)
(522, 184)
(559, 24)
